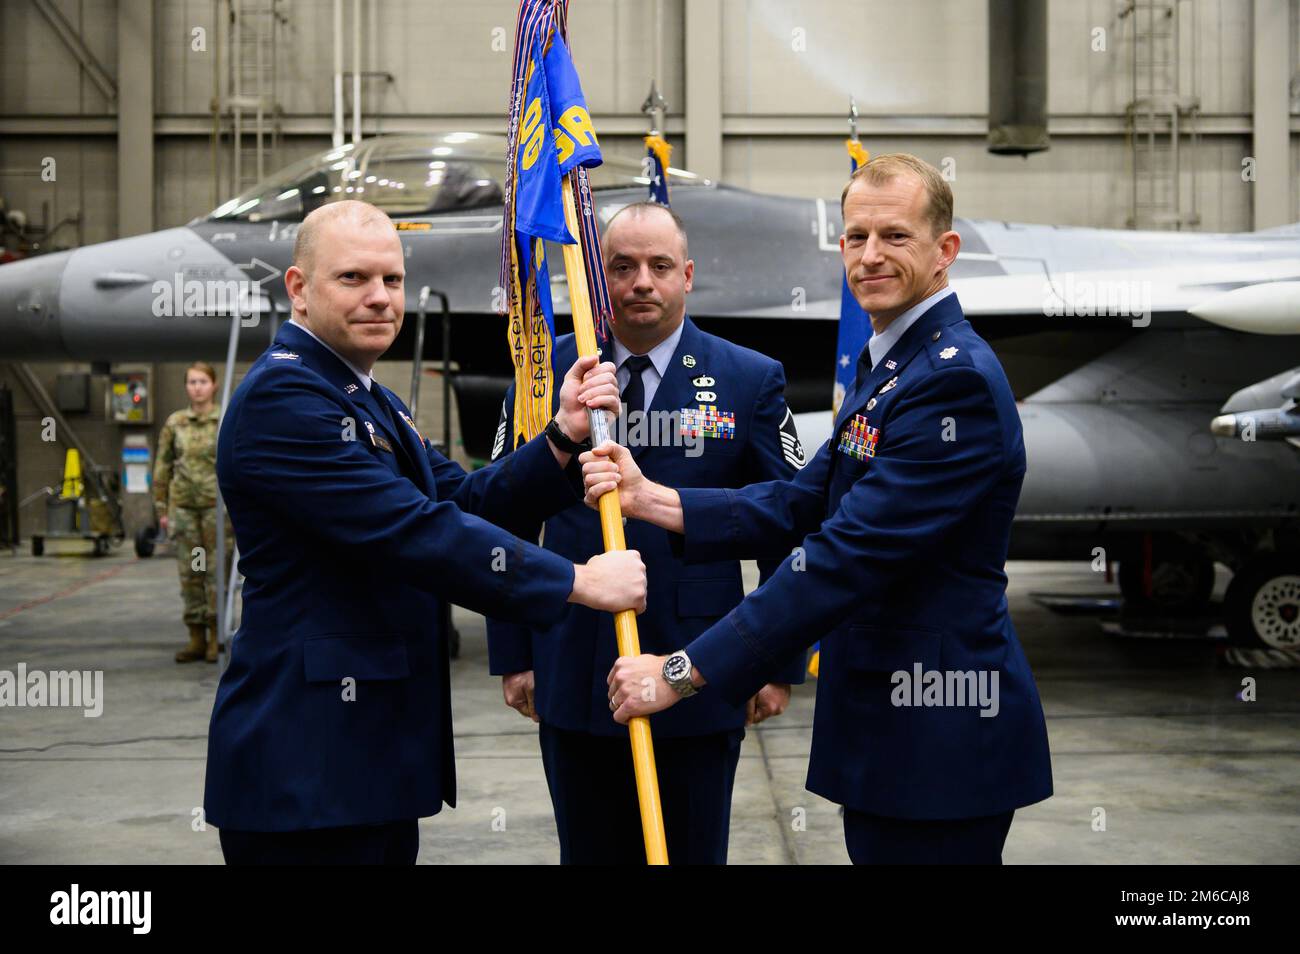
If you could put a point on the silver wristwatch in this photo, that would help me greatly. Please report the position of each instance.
(677, 673)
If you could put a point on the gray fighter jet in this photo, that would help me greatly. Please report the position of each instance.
(1158, 372)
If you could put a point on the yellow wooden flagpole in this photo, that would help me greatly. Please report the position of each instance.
(611, 526)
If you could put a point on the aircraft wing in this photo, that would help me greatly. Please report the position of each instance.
(1245, 282)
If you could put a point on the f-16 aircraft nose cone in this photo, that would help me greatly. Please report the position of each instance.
(29, 305)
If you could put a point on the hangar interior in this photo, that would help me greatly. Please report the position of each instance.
(191, 103)
(125, 117)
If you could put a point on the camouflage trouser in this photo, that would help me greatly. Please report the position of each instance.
(194, 534)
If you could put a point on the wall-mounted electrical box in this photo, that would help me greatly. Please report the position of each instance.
(72, 393)
(129, 397)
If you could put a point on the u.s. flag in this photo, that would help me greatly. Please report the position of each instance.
(854, 330)
(658, 152)
(855, 325)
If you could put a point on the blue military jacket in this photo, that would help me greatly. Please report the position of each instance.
(571, 658)
(352, 531)
(903, 520)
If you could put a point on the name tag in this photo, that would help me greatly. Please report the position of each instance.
(708, 421)
(859, 439)
(378, 440)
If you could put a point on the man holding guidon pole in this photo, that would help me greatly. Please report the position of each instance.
(550, 143)
(901, 524)
(697, 410)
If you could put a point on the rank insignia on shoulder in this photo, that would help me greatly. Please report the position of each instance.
(350, 388)
(890, 385)
(708, 421)
(498, 442)
(947, 353)
(859, 439)
(283, 355)
(791, 447)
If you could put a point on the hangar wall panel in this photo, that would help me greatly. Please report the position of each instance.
(784, 94)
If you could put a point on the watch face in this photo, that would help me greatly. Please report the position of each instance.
(676, 668)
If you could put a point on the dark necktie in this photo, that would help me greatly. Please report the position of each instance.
(378, 397)
(394, 421)
(865, 364)
(634, 391)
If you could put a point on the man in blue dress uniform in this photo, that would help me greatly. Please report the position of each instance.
(331, 732)
(700, 411)
(928, 727)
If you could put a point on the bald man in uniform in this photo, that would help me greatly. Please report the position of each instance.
(727, 425)
(331, 732)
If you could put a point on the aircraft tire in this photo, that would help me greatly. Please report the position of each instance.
(1262, 605)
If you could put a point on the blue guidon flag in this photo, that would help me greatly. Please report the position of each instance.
(550, 136)
(855, 326)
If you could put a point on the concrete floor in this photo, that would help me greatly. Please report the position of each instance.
(1147, 729)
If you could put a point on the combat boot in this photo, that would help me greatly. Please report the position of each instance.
(213, 646)
(197, 647)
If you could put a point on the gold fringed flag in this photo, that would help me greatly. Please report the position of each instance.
(658, 153)
(550, 136)
(857, 155)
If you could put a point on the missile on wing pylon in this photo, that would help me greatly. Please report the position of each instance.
(1276, 423)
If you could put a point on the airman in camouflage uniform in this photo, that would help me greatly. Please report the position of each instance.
(185, 492)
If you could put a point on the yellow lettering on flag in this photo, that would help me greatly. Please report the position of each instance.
(575, 123)
(532, 133)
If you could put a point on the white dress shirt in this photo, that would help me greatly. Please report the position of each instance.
(362, 376)
(880, 343)
(660, 356)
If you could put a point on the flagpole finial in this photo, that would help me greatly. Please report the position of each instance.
(654, 107)
(654, 100)
(853, 118)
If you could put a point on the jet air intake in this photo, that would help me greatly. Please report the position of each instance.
(1017, 77)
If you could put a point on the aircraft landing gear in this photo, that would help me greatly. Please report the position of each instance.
(1181, 577)
(1262, 605)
